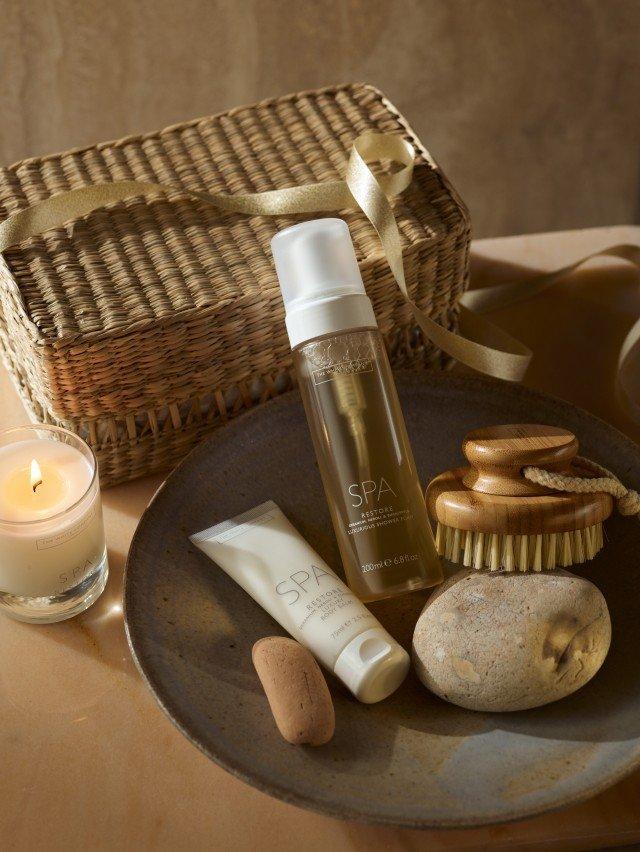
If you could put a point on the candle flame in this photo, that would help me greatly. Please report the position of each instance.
(36, 475)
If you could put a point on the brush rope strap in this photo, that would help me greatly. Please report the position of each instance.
(627, 500)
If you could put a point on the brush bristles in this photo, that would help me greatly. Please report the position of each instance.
(497, 552)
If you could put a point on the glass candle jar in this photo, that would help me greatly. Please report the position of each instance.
(53, 555)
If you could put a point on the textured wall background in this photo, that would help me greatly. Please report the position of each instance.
(530, 106)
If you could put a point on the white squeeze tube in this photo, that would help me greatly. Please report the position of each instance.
(264, 553)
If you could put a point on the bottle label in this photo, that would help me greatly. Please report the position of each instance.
(378, 508)
(348, 367)
(372, 506)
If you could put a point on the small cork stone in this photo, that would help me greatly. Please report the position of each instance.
(296, 690)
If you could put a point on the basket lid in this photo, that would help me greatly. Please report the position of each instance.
(145, 261)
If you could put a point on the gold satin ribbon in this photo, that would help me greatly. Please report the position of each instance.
(484, 347)
(627, 386)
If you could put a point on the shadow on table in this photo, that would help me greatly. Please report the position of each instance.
(98, 632)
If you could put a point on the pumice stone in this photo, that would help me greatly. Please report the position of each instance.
(296, 690)
(509, 641)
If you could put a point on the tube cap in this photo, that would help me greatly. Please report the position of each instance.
(373, 665)
(320, 280)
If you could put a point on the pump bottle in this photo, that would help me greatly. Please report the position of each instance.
(354, 415)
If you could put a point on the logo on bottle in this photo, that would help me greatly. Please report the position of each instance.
(348, 367)
(370, 492)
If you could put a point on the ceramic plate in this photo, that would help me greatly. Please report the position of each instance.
(412, 760)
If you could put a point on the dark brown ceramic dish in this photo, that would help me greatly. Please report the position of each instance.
(412, 760)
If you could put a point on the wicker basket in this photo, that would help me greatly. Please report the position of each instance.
(147, 324)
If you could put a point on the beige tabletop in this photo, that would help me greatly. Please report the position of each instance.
(89, 761)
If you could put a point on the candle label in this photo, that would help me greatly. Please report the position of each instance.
(69, 579)
(66, 535)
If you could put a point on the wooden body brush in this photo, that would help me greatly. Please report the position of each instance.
(492, 515)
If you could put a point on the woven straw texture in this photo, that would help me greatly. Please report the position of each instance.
(147, 324)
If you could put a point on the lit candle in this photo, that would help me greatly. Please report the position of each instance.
(52, 546)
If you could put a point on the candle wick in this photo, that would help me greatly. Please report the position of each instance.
(39, 482)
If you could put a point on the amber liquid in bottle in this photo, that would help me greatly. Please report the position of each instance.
(367, 466)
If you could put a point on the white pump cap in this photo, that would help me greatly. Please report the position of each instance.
(373, 665)
(320, 280)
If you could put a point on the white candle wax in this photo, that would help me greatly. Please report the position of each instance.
(51, 531)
